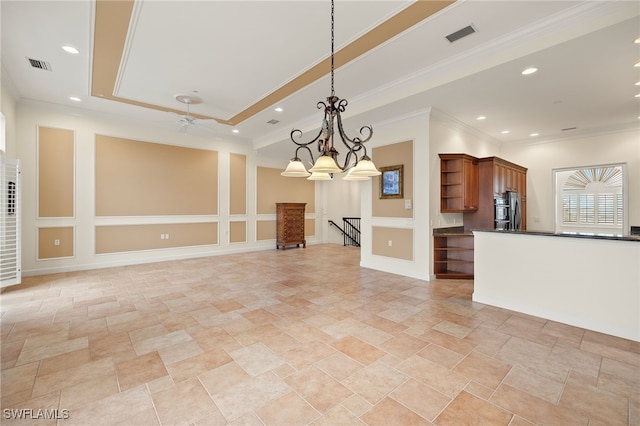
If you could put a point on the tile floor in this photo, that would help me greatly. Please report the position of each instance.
(296, 337)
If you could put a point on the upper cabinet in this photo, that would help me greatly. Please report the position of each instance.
(458, 183)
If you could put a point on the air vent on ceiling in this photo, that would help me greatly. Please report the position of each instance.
(273, 121)
(43, 65)
(461, 33)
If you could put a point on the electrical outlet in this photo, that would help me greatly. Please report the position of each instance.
(162, 236)
(56, 242)
(407, 204)
(166, 236)
(390, 243)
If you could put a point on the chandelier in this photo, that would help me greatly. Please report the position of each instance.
(356, 163)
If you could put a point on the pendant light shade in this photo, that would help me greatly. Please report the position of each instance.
(319, 176)
(325, 164)
(350, 176)
(295, 169)
(365, 167)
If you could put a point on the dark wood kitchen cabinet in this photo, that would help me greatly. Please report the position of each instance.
(290, 225)
(458, 183)
(497, 176)
(453, 256)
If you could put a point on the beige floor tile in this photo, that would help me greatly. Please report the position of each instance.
(338, 416)
(185, 403)
(289, 409)
(140, 370)
(86, 392)
(438, 377)
(198, 364)
(52, 350)
(375, 381)
(542, 387)
(179, 352)
(308, 353)
(595, 403)
(157, 343)
(100, 369)
(466, 406)
(222, 377)
(64, 361)
(339, 365)
(18, 379)
(362, 352)
(132, 407)
(257, 359)
(482, 369)
(249, 395)
(447, 341)
(318, 388)
(356, 405)
(389, 412)
(403, 346)
(440, 355)
(420, 398)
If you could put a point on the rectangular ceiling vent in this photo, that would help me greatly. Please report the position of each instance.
(461, 33)
(43, 65)
(273, 121)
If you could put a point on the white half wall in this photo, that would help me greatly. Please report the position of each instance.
(584, 282)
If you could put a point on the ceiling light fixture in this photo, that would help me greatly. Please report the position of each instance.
(278, 109)
(325, 140)
(75, 98)
(529, 71)
(504, 132)
(637, 64)
(70, 49)
(481, 117)
(236, 131)
(533, 135)
(637, 41)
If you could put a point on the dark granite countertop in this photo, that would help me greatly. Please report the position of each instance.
(635, 238)
(454, 231)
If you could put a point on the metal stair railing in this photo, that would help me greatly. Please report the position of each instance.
(350, 232)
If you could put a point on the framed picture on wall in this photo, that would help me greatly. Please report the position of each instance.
(391, 182)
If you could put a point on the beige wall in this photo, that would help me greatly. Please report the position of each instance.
(393, 155)
(135, 178)
(47, 237)
(123, 238)
(237, 232)
(55, 172)
(273, 188)
(401, 241)
(238, 184)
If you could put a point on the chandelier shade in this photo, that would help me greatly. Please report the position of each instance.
(365, 167)
(320, 176)
(325, 164)
(295, 169)
(351, 177)
(331, 131)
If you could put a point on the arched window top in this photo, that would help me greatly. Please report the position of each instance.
(609, 176)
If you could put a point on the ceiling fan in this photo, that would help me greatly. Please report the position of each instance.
(187, 120)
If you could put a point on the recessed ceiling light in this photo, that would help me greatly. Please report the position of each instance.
(278, 109)
(638, 83)
(481, 117)
(529, 71)
(637, 64)
(637, 41)
(504, 132)
(638, 95)
(236, 131)
(533, 135)
(75, 98)
(70, 49)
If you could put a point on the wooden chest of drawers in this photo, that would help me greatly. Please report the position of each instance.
(290, 225)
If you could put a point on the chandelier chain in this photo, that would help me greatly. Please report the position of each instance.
(333, 92)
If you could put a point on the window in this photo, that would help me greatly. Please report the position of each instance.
(590, 200)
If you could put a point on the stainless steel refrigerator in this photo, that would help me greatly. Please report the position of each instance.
(508, 212)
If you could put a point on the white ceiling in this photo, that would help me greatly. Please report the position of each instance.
(234, 53)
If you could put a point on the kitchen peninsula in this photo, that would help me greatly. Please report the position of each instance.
(591, 282)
